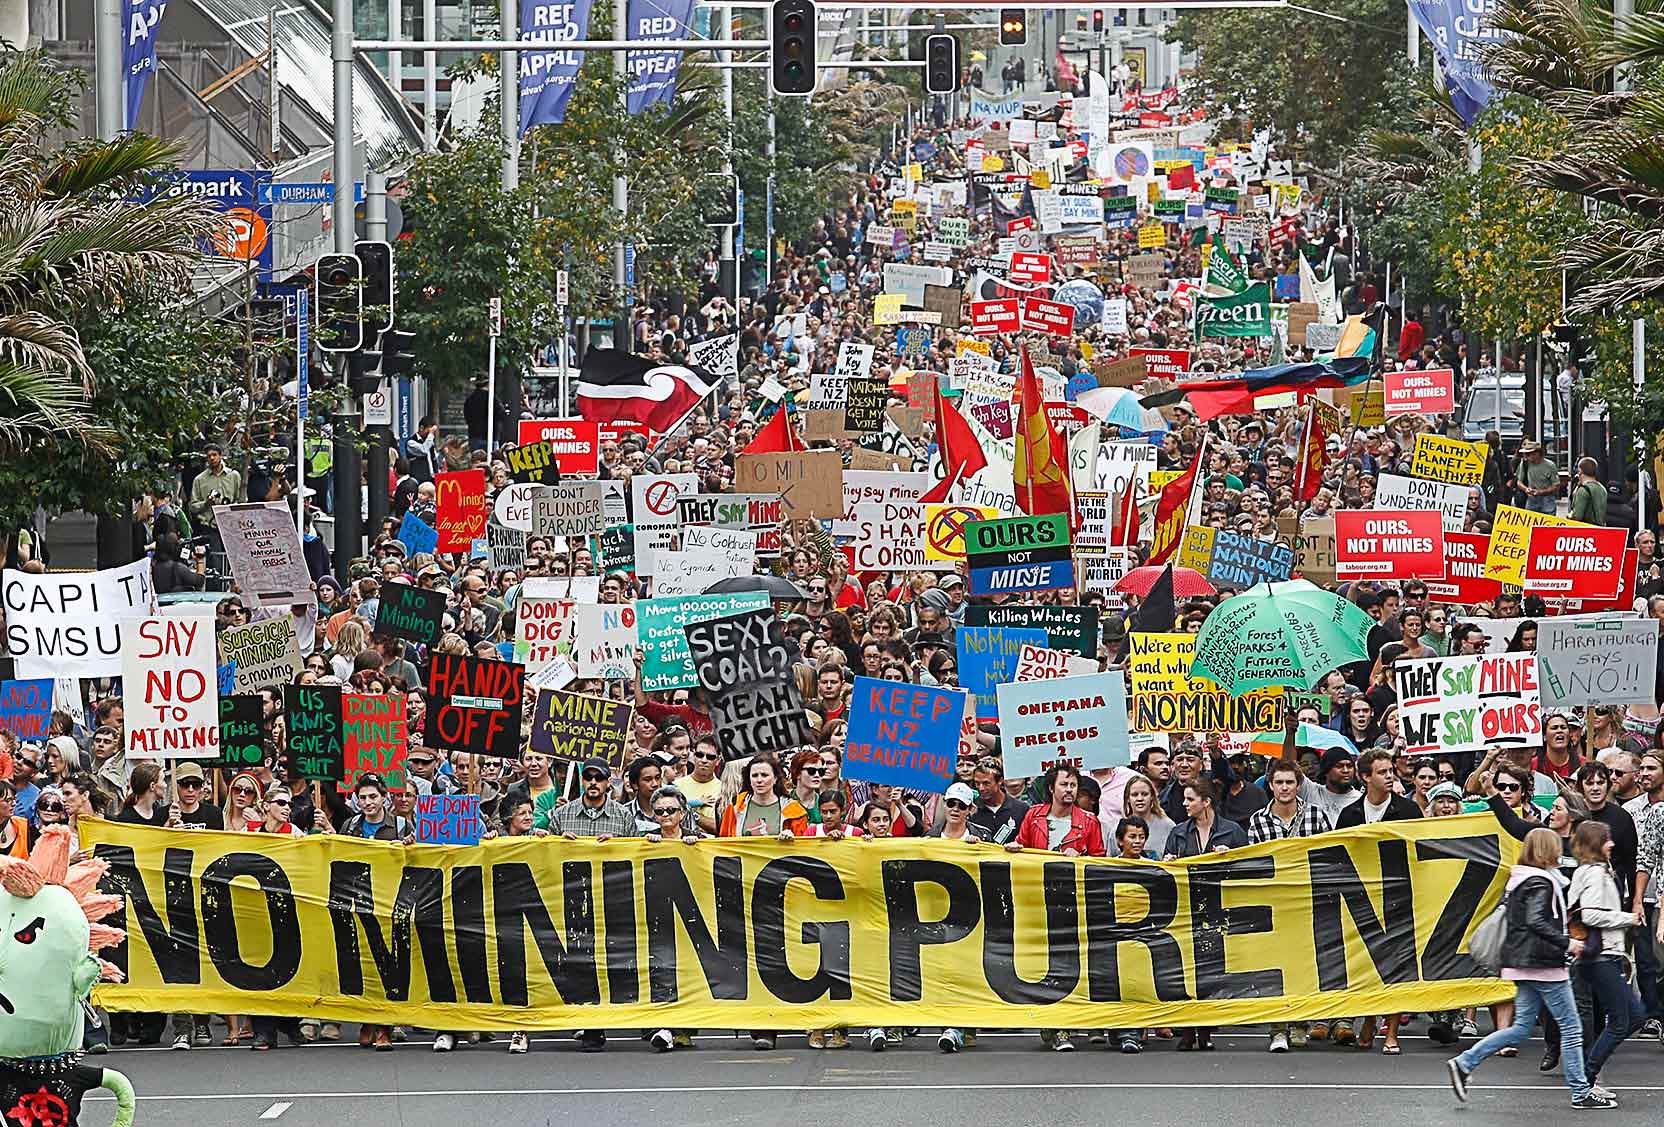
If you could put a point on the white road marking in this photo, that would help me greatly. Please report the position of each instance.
(276, 1110)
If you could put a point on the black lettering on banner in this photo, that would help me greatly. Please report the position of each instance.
(519, 904)
(908, 933)
(1105, 931)
(1211, 923)
(173, 945)
(618, 905)
(1389, 938)
(419, 901)
(999, 943)
(670, 898)
(468, 925)
(768, 924)
(1443, 956)
(219, 922)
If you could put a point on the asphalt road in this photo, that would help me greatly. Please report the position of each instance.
(722, 1082)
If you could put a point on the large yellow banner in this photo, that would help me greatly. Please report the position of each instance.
(545, 933)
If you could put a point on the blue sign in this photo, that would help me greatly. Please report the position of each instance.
(138, 50)
(303, 351)
(228, 678)
(630, 266)
(653, 73)
(988, 657)
(448, 819)
(1244, 561)
(1007, 579)
(1459, 31)
(26, 708)
(548, 77)
(1288, 287)
(902, 734)
(1079, 382)
(295, 195)
(417, 535)
(235, 194)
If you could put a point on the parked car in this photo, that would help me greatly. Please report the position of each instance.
(1478, 413)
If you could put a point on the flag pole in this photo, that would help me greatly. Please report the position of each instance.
(682, 422)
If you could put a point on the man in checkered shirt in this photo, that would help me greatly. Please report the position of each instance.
(1288, 815)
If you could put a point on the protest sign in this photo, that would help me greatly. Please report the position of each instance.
(903, 734)
(854, 362)
(1464, 571)
(448, 819)
(1055, 318)
(407, 611)
(417, 535)
(810, 484)
(1438, 458)
(864, 401)
(263, 549)
(1597, 659)
(170, 682)
(992, 317)
(1314, 551)
(534, 462)
(1576, 563)
(71, 625)
(459, 515)
(312, 725)
(1454, 704)
(604, 640)
(1038, 663)
(1241, 561)
(744, 664)
(242, 739)
(1167, 698)
(573, 727)
(374, 738)
(1080, 721)
(944, 530)
(988, 657)
(1019, 554)
(572, 508)
(1510, 541)
(655, 512)
(574, 446)
(695, 571)
(890, 537)
(1431, 391)
(1388, 544)
(1625, 598)
(26, 708)
(1071, 628)
(1245, 314)
(666, 663)
(543, 629)
(266, 653)
(1451, 501)
(1030, 269)
(474, 705)
(618, 549)
(1196, 548)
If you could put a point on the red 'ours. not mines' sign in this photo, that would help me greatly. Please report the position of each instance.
(1428, 392)
(1577, 563)
(1389, 544)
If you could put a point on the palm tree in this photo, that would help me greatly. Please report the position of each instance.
(81, 228)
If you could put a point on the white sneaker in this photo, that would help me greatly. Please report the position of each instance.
(183, 1041)
(1603, 1093)
(1279, 1043)
(663, 1040)
(876, 1041)
(519, 1043)
(444, 1043)
(1063, 1044)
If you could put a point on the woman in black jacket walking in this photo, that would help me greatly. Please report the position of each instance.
(1537, 947)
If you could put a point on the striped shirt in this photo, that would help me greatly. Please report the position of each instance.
(611, 818)
(1308, 821)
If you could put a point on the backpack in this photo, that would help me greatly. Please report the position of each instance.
(1490, 938)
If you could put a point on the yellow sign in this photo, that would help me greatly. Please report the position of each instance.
(1509, 533)
(915, 173)
(523, 933)
(1040, 178)
(944, 529)
(886, 308)
(1166, 698)
(1437, 458)
(991, 162)
(1369, 407)
(1159, 478)
(1152, 236)
(1207, 254)
(967, 344)
(1196, 549)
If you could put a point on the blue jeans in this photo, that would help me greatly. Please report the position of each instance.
(1529, 999)
(1541, 504)
(1615, 1000)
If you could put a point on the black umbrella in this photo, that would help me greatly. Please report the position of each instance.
(778, 588)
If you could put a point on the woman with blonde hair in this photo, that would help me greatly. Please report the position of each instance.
(1139, 797)
(352, 640)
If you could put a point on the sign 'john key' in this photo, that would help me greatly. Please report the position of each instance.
(474, 705)
(745, 667)
(312, 718)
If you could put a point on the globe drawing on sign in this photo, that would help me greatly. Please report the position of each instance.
(1087, 299)
(1131, 163)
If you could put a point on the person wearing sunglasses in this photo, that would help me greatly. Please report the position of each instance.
(672, 821)
(957, 804)
(702, 785)
(808, 772)
(243, 794)
(50, 810)
(14, 831)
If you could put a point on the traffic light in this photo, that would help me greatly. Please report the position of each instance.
(1097, 21)
(941, 64)
(1013, 27)
(718, 199)
(791, 50)
(340, 303)
(363, 371)
(397, 358)
(377, 259)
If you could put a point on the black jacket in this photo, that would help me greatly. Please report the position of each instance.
(1186, 840)
(1399, 809)
(1536, 924)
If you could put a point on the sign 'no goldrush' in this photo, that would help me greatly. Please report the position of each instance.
(527, 932)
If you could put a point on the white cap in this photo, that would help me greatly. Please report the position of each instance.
(963, 793)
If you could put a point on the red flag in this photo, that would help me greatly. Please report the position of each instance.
(1171, 510)
(958, 447)
(778, 436)
(1040, 473)
(1314, 456)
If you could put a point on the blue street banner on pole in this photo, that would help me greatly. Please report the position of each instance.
(303, 351)
(653, 73)
(547, 77)
(311, 193)
(1460, 29)
(901, 734)
(138, 51)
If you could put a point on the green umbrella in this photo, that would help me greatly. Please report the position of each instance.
(1283, 634)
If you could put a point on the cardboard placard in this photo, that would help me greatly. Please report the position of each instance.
(1080, 721)
(1389, 544)
(171, 681)
(448, 819)
(459, 517)
(312, 730)
(1448, 705)
(242, 739)
(263, 548)
(474, 705)
(902, 734)
(375, 737)
(743, 663)
(266, 653)
(408, 611)
(573, 727)
(26, 708)
(810, 484)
